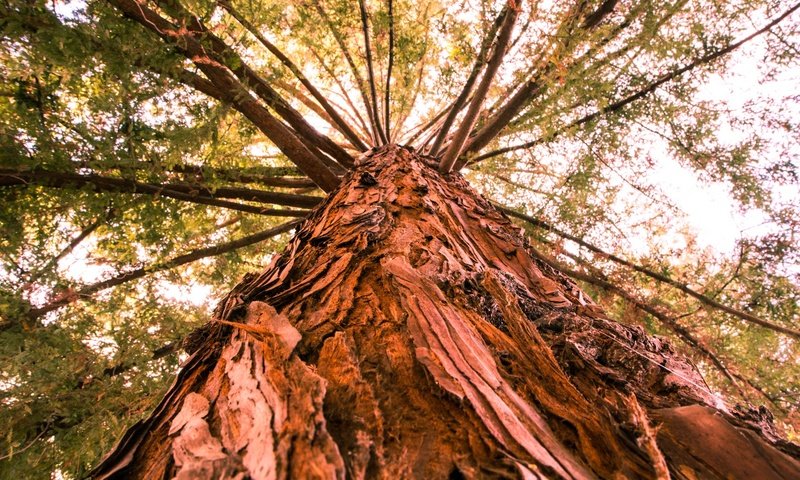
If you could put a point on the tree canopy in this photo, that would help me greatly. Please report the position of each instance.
(152, 152)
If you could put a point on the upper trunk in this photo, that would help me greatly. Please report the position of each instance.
(409, 331)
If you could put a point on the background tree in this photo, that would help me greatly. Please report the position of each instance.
(154, 152)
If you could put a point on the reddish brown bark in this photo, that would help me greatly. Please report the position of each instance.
(408, 331)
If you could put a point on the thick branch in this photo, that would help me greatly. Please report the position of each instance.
(620, 104)
(200, 84)
(467, 124)
(597, 16)
(234, 92)
(656, 276)
(224, 54)
(89, 290)
(502, 118)
(185, 192)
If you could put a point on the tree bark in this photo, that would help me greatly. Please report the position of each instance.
(408, 331)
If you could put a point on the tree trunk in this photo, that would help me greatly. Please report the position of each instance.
(409, 331)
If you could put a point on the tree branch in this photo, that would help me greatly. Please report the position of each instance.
(225, 55)
(234, 92)
(349, 59)
(282, 177)
(533, 86)
(387, 96)
(282, 180)
(343, 127)
(655, 275)
(190, 193)
(86, 292)
(71, 245)
(620, 104)
(473, 76)
(120, 368)
(200, 84)
(354, 112)
(409, 108)
(370, 72)
(467, 124)
(424, 126)
(598, 15)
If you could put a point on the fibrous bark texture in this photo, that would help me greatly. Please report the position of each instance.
(408, 331)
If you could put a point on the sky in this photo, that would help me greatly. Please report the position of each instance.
(709, 206)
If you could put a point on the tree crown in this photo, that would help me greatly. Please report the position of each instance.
(152, 152)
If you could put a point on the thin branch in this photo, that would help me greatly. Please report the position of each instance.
(353, 112)
(534, 86)
(387, 96)
(370, 72)
(281, 182)
(620, 104)
(121, 368)
(86, 292)
(359, 80)
(297, 94)
(644, 37)
(241, 176)
(467, 124)
(247, 194)
(473, 76)
(409, 107)
(72, 245)
(424, 126)
(41, 434)
(337, 120)
(655, 275)
(284, 177)
(760, 390)
(508, 181)
(39, 176)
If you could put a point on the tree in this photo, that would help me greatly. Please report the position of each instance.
(408, 328)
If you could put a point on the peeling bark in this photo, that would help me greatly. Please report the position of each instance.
(409, 331)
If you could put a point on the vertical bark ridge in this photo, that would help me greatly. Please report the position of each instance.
(408, 331)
